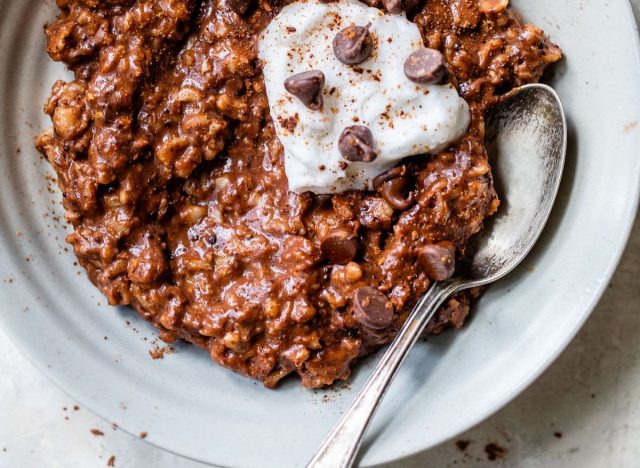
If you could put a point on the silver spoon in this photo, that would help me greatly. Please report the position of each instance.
(527, 136)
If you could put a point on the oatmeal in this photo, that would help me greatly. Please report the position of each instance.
(173, 180)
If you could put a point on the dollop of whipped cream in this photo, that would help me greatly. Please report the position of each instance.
(405, 118)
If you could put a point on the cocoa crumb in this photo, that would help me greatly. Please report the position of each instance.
(158, 352)
(143, 435)
(494, 451)
(97, 432)
(462, 444)
(289, 123)
(111, 461)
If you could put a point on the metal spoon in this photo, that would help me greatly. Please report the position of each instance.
(527, 136)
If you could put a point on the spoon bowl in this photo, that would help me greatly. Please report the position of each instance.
(527, 139)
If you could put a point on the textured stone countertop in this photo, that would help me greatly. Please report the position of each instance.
(583, 412)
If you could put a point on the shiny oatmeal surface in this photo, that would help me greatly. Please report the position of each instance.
(172, 178)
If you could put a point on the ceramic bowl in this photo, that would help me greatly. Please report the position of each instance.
(99, 354)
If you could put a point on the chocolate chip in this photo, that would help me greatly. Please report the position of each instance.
(393, 6)
(438, 260)
(353, 45)
(372, 308)
(240, 7)
(356, 144)
(393, 187)
(339, 246)
(372, 337)
(413, 6)
(307, 86)
(425, 66)
(393, 173)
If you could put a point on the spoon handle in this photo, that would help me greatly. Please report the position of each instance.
(340, 448)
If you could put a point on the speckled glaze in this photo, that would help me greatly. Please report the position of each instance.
(192, 407)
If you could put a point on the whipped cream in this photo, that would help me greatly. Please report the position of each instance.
(405, 118)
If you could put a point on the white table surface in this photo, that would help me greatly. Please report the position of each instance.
(583, 412)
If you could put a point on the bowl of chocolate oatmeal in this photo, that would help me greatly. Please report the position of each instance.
(265, 189)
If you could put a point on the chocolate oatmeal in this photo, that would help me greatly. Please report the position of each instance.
(173, 180)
